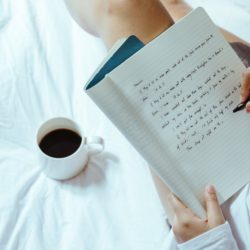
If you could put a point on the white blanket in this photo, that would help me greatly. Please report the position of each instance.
(44, 60)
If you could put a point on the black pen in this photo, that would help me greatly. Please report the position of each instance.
(241, 106)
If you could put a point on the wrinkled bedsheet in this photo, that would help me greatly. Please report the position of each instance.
(45, 58)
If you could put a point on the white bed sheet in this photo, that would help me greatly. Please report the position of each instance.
(113, 205)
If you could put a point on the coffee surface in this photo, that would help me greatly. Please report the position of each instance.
(60, 143)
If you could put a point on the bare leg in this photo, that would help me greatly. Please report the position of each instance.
(114, 19)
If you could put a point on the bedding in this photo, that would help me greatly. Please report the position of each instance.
(45, 58)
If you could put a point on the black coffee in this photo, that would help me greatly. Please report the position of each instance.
(60, 143)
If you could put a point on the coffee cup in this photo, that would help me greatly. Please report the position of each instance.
(63, 149)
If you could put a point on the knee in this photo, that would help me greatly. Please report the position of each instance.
(118, 7)
(92, 16)
(130, 8)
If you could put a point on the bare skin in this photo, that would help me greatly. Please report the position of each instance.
(179, 8)
(245, 88)
(113, 19)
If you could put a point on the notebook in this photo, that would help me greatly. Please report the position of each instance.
(173, 100)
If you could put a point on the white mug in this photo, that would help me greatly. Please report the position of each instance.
(69, 166)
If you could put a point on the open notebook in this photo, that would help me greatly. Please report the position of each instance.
(173, 100)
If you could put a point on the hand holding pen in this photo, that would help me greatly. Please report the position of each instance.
(244, 93)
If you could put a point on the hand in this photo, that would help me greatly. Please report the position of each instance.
(186, 225)
(245, 88)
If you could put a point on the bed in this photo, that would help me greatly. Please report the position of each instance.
(45, 58)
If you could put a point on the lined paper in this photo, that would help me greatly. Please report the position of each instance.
(173, 101)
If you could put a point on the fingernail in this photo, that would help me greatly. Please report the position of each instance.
(210, 189)
(248, 107)
(242, 99)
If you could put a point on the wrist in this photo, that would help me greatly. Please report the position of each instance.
(215, 238)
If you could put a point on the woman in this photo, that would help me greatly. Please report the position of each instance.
(114, 19)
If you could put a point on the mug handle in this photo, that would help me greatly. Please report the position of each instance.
(96, 144)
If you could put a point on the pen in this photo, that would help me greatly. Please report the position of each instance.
(241, 105)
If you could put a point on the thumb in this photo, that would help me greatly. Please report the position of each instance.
(214, 213)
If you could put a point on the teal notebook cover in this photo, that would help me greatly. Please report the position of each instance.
(127, 49)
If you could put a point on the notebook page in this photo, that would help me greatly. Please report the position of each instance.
(115, 105)
(183, 86)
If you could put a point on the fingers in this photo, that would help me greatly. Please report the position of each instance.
(170, 208)
(214, 213)
(248, 107)
(245, 88)
(175, 203)
(185, 224)
(177, 208)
